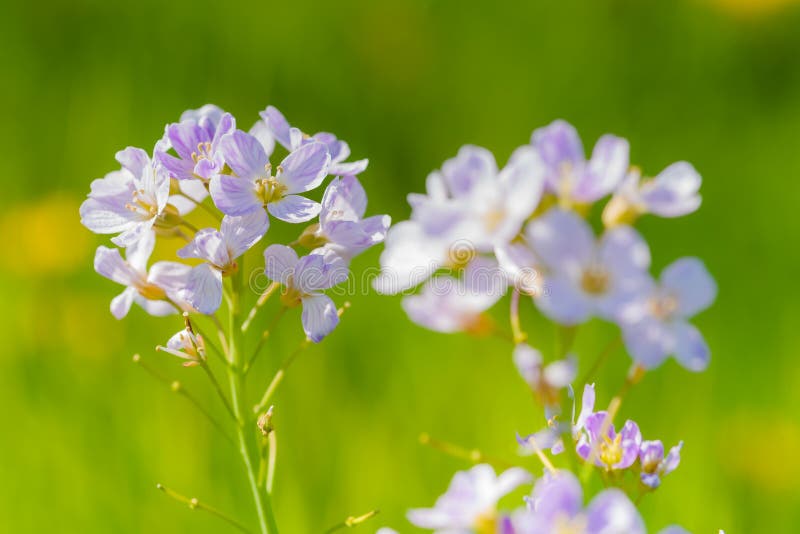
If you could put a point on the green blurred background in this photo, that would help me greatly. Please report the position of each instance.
(86, 435)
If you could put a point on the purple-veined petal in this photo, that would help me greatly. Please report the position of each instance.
(278, 125)
(631, 443)
(134, 160)
(121, 304)
(133, 233)
(170, 276)
(523, 182)
(208, 244)
(107, 215)
(409, 258)
(204, 288)
(319, 317)
(509, 480)
(208, 113)
(344, 200)
(587, 406)
(316, 272)
(234, 196)
(156, 308)
(244, 154)
(691, 349)
(262, 132)
(108, 262)
(348, 168)
(562, 240)
(138, 254)
(241, 233)
(294, 209)
(688, 280)
(279, 263)
(305, 168)
(472, 166)
(557, 496)
(673, 459)
(559, 143)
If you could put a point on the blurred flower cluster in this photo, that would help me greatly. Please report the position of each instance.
(481, 232)
(204, 161)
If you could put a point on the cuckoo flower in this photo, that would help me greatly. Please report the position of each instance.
(672, 193)
(654, 464)
(550, 437)
(545, 381)
(342, 227)
(151, 289)
(292, 139)
(557, 506)
(470, 503)
(569, 175)
(584, 277)
(656, 325)
(131, 201)
(447, 304)
(521, 267)
(195, 141)
(219, 249)
(611, 451)
(254, 187)
(303, 281)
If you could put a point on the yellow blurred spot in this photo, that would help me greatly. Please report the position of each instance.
(745, 8)
(762, 450)
(44, 238)
(87, 328)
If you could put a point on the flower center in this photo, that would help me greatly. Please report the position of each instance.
(486, 523)
(291, 296)
(594, 280)
(569, 525)
(151, 291)
(270, 190)
(663, 306)
(142, 204)
(203, 151)
(611, 450)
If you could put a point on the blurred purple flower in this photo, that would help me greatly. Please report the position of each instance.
(292, 139)
(557, 506)
(545, 381)
(570, 176)
(612, 450)
(253, 187)
(656, 324)
(219, 249)
(654, 464)
(550, 437)
(470, 503)
(303, 280)
(584, 277)
(151, 289)
(129, 201)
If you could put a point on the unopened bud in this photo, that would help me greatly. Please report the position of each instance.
(310, 237)
(265, 422)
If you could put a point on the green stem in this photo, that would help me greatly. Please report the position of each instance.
(263, 503)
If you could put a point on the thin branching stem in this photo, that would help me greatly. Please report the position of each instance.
(352, 521)
(194, 504)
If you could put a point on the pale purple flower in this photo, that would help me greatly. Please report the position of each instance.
(675, 529)
(546, 381)
(292, 139)
(585, 278)
(656, 324)
(569, 175)
(557, 506)
(672, 193)
(155, 289)
(186, 345)
(195, 141)
(128, 202)
(254, 187)
(469, 208)
(612, 450)
(447, 304)
(470, 503)
(219, 250)
(303, 281)
(342, 227)
(654, 464)
(521, 266)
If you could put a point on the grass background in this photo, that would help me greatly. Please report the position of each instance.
(85, 435)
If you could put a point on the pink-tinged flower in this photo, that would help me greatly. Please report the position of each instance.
(470, 503)
(672, 193)
(585, 278)
(128, 202)
(342, 227)
(219, 250)
(557, 506)
(447, 304)
(572, 178)
(292, 139)
(656, 324)
(156, 290)
(546, 381)
(303, 280)
(611, 451)
(254, 187)
(654, 464)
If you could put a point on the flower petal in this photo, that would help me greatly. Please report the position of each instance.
(244, 154)
(208, 244)
(688, 280)
(279, 263)
(305, 168)
(691, 349)
(294, 209)
(204, 289)
(234, 196)
(121, 304)
(605, 170)
(673, 192)
(562, 240)
(278, 125)
(563, 302)
(344, 200)
(108, 262)
(611, 512)
(319, 317)
(241, 233)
